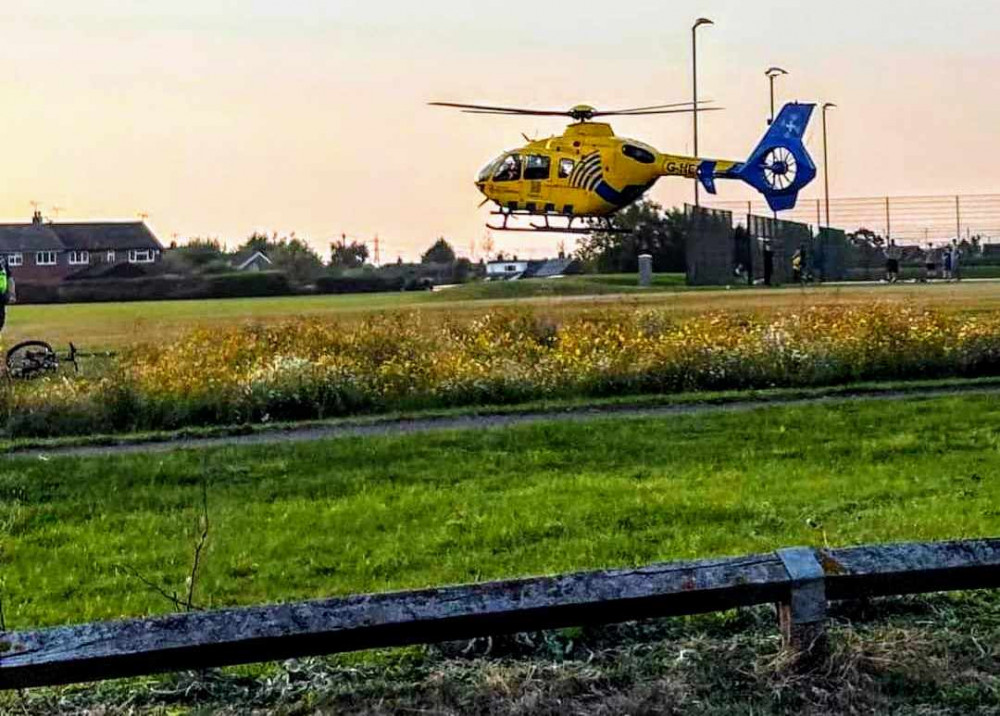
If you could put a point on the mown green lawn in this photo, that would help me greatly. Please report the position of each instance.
(99, 326)
(358, 515)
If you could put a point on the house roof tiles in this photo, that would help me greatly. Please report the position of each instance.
(91, 236)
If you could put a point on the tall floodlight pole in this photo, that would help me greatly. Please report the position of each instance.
(694, 85)
(771, 74)
(826, 164)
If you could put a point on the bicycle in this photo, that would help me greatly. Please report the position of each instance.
(32, 359)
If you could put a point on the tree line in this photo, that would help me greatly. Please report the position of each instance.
(295, 258)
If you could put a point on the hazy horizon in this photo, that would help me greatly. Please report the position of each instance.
(221, 118)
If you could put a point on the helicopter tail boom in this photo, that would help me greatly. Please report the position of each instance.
(779, 168)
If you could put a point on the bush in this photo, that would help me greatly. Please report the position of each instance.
(247, 284)
(305, 369)
(371, 283)
(157, 288)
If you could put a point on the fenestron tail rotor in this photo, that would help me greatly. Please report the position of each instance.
(581, 112)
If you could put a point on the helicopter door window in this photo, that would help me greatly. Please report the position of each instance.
(536, 167)
(509, 169)
(566, 167)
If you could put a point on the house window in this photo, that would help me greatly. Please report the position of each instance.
(15, 259)
(45, 258)
(79, 258)
(141, 256)
(111, 257)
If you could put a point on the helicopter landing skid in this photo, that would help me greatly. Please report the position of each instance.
(601, 225)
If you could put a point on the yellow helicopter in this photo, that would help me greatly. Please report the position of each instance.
(588, 173)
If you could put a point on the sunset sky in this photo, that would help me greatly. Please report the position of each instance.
(221, 117)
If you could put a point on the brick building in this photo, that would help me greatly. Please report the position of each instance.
(48, 252)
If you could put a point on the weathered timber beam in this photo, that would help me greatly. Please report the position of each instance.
(858, 572)
(803, 615)
(244, 635)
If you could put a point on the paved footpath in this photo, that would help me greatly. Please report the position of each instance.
(472, 422)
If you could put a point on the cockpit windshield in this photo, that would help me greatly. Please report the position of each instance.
(508, 169)
(486, 172)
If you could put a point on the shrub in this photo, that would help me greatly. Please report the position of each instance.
(358, 284)
(312, 368)
(156, 288)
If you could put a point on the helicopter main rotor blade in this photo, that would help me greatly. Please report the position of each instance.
(486, 109)
(689, 103)
(659, 111)
(532, 113)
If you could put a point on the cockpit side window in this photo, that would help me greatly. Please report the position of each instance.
(566, 167)
(536, 167)
(639, 154)
(509, 168)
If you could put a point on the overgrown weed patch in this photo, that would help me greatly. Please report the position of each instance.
(311, 369)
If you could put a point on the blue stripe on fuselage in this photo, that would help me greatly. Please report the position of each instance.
(621, 198)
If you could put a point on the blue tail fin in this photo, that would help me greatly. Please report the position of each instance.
(780, 167)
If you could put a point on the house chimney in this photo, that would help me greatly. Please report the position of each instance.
(36, 218)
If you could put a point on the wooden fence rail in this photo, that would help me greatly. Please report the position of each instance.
(799, 580)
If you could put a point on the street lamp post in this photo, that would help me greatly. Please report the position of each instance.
(826, 164)
(771, 74)
(694, 85)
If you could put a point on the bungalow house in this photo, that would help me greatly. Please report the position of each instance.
(504, 270)
(513, 270)
(48, 252)
(251, 260)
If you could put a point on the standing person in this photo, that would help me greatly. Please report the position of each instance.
(768, 263)
(797, 261)
(955, 254)
(892, 255)
(930, 265)
(7, 291)
(946, 262)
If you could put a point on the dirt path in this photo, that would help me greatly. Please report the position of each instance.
(472, 422)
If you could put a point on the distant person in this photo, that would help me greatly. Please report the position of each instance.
(797, 261)
(946, 263)
(7, 290)
(956, 253)
(892, 256)
(930, 262)
(768, 263)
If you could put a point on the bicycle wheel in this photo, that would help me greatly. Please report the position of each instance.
(30, 359)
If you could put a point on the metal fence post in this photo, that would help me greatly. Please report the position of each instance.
(803, 616)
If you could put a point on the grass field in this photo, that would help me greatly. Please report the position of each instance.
(357, 515)
(99, 326)
(307, 520)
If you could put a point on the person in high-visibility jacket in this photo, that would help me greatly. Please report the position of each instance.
(798, 259)
(7, 291)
